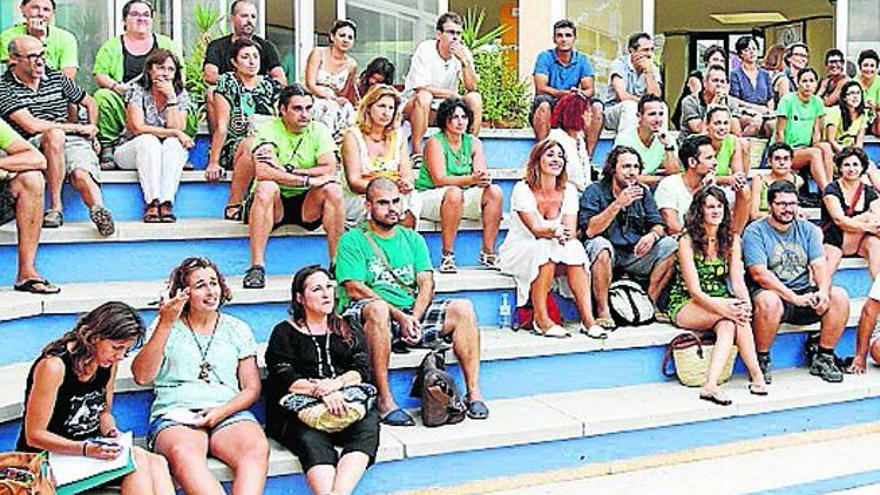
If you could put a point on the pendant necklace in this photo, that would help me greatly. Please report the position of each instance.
(318, 352)
(205, 367)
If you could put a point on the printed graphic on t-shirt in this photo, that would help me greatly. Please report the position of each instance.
(85, 410)
(788, 260)
(382, 276)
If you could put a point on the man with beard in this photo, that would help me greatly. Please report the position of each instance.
(219, 54)
(558, 72)
(781, 252)
(385, 271)
(622, 231)
(675, 193)
(296, 179)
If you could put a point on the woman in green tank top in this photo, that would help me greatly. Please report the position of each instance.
(709, 291)
(455, 183)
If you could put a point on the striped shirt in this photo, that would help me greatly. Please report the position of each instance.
(49, 102)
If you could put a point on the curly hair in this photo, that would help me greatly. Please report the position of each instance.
(110, 321)
(568, 114)
(179, 278)
(851, 151)
(533, 167)
(447, 109)
(611, 161)
(695, 222)
(297, 310)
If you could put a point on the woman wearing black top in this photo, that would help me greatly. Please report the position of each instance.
(69, 396)
(315, 353)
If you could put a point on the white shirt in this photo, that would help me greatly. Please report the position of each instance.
(672, 193)
(577, 161)
(427, 68)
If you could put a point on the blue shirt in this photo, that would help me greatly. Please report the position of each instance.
(787, 254)
(561, 76)
(741, 87)
(629, 225)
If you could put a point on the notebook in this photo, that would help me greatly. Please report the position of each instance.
(76, 474)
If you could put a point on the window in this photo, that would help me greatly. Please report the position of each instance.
(863, 33)
(603, 27)
(391, 29)
(89, 22)
(281, 30)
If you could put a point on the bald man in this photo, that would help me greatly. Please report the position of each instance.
(34, 100)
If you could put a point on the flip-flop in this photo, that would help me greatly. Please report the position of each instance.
(594, 332)
(554, 332)
(233, 212)
(398, 417)
(477, 409)
(30, 286)
(757, 390)
(715, 399)
(607, 324)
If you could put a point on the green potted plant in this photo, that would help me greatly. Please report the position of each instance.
(208, 22)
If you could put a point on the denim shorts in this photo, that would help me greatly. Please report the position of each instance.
(160, 423)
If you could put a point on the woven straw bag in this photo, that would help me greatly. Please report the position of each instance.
(691, 353)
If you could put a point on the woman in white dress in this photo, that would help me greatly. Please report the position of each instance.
(330, 77)
(541, 241)
(375, 147)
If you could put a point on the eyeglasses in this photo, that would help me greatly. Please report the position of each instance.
(785, 204)
(835, 61)
(138, 15)
(452, 32)
(33, 57)
(853, 93)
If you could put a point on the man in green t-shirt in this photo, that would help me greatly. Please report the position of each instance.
(21, 198)
(296, 179)
(61, 45)
(388, 293)
(651, 141)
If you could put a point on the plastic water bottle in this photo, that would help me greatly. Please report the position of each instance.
(504, 313)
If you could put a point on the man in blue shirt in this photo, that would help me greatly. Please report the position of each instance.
(622, 229)
(558, 72)
(781, 252)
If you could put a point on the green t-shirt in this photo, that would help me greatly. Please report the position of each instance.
(177, 385)
(724, 155)
(407, 254)
(61, 46)
(653, 156)
(110, 59)
(457, 164)
(7, 135)
(844, 137)
(799, 118)
(294, 150)
(872, 92)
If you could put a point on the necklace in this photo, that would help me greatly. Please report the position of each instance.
(205, 367)
(318, 353)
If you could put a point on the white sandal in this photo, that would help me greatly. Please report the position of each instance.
(594, 332)
(554, 332)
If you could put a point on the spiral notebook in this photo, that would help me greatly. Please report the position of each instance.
(75, 473)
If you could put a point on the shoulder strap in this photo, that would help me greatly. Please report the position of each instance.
(855, 200)
(365, 230)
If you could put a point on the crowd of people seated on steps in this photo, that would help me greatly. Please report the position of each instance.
(678, 215)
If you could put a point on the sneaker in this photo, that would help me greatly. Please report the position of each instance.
(489, 260)
(825, 368)
(53, 219)
(447, 263)
(764, 364)
(103, 220)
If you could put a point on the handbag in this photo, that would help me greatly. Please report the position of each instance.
(522, 319)
(313, 412)
(23, 473)
(629, 304)
(691, 353)
(442, 402)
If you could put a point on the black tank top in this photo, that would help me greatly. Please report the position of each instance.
(78, 404)
(133, 65)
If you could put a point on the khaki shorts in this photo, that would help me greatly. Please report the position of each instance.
(472, 209)
(78, 155)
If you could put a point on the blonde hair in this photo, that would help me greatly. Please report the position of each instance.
(533, 166)
(376, 93)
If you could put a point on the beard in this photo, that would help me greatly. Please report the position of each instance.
(387, 223)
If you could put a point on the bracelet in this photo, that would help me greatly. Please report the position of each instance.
(171, 103)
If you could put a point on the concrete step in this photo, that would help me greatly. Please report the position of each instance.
(552, 421)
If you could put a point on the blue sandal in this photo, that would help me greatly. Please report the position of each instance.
(398, 417)
(477, 410)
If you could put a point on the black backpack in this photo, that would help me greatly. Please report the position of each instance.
(629, 303)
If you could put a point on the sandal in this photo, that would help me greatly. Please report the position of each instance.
(594, 332)
(151, 213)
(476, 409)
(554, 332)
(757, 389)
(607, 324)
(37, 286)
(233, 212)
(103, 220)
(716, 398)
(398, 417)
(53, 219)
(166, 211)
(255, 278)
